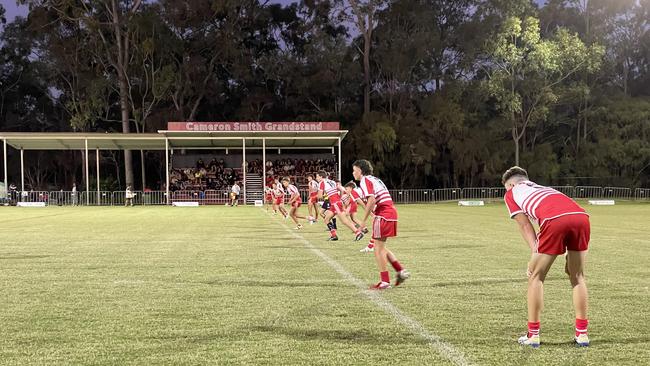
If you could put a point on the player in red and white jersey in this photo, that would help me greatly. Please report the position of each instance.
(312, 204)
(564, 227)
(351, 200)
(333, 192)
(294, 202)
(278, 194)
(268, 198)
(384, 224)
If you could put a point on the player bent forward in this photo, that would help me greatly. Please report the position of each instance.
(331, 189)
(384, 226)
(563, 226)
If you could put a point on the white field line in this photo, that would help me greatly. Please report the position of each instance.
(438, 344)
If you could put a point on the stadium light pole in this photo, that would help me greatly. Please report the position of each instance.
(97, 158)
(244, 166)
(22, 172)
(167, 170)
(339, 144)
(263, 166)
(87, 178)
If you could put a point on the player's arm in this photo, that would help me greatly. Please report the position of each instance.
(293, 198)
(527, 231)
(319, 195)
(369, 207)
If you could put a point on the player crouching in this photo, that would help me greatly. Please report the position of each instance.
(331, 189)
(384, 224)
(563, 227)
(294, 202)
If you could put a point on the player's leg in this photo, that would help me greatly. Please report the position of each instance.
(578, 244)
(283, 210)
(346, 221)
(381, 259)
(539, 266)
(311, 207)
(330, 226)
(401, 273)
(575, 268)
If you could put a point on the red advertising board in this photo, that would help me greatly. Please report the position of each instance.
(252, 126)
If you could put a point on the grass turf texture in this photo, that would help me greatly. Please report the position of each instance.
(221, 285)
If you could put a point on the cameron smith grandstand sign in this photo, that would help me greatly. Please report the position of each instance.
(252, 126)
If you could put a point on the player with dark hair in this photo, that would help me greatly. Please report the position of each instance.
(384, 226)
(312, 203)
(563, 228)
(329, 187)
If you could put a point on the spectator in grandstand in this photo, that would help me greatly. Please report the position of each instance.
(213, 165)
(128, 201)
(200, 164)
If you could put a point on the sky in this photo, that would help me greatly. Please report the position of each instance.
(13, 9)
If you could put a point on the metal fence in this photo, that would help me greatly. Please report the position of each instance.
(220, 197)
(642, 194)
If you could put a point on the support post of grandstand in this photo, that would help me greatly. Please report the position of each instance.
(339, 165)
(167, 170)
(87, 176)
(97, 158)
(22, 171)
(263, 167)
(4, 161)
(243, 164)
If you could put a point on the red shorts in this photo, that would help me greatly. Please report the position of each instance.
(353, 208)
(336, 207)
(570, 232)
(313, 198)
(269, 198)
(384, 224)
(296, 203)
(279, 200)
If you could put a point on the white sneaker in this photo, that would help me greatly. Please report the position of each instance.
(533, 341)
(582, 340)
(298, 227)
(366, 249)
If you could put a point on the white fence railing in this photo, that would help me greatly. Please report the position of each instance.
(220, 197)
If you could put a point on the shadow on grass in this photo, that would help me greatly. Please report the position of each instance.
(596, 342)
(262, 283)
(357, 336)
(25, 256)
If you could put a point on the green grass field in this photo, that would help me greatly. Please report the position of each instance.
(231, 286)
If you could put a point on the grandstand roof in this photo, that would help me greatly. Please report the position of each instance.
(177, 139)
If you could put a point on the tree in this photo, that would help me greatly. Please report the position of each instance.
(524, 71)
(109, 26)
(364, 15)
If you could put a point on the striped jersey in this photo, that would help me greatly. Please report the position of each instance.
(291, 189)
(539, 203)
(278, 190)
(351, 198)
(329, 188)
(373, 186)
(313, 186)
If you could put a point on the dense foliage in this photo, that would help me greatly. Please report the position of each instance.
(437, 93)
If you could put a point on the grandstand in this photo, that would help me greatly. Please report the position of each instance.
(295, 147)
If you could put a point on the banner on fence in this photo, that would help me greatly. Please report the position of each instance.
(185, 204)
(471, 203)
(602, 202)
(30, 204)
